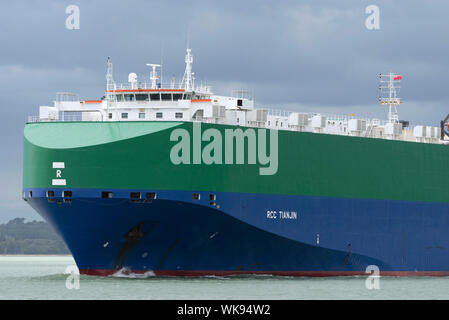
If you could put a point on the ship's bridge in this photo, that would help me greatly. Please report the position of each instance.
(186, 101)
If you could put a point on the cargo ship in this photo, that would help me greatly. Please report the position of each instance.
(169, 179)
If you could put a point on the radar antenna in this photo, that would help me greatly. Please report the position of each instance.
(153, 74)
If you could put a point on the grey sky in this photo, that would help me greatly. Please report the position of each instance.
(299, 55)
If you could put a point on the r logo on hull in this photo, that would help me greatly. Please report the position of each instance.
(58, 181)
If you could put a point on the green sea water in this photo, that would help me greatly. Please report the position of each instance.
(43, 277)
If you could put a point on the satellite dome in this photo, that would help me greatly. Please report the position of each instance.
(132, 77)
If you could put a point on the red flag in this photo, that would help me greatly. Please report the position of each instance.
(398, 77)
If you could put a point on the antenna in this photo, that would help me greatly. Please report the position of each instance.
(153, 74)
(187, 79)
(388, 94)
(109, 84)
(109, 78)
(188, 36)
(162, 55)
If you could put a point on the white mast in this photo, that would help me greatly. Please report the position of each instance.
(187, 79)
(109, 85)
(389, 94)
(109, 80)
(153, 74)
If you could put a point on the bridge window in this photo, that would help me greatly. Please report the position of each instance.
(142, 97)
(124, 115)
(110, 115)
(159, 115)
(129, 97)
(239, 102)
(166, 96)
(177, 96)
(155, 97)
(50, 194)
(178, 115)
(187, 96)
(141, 115)
(119, 97)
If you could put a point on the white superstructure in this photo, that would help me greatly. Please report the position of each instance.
(153, 101)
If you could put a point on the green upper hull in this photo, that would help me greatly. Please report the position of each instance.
(136, 155)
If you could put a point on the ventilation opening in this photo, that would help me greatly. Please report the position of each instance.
(67, 194)
(135, 196)
(150, 195)
(67, 200)
(106, 194)
(239, 103)
(50, 195)
(195, 196)
(212, 197)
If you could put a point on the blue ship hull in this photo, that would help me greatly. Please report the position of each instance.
(246, 233)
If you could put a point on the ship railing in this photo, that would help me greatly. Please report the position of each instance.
(278, 112)
(32, 119)
(330, 117)
(67, 96)
(70, 116)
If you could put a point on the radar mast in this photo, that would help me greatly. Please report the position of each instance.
(388, 94)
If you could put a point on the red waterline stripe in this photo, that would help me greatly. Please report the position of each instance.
(148, 90)
(199, 273)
